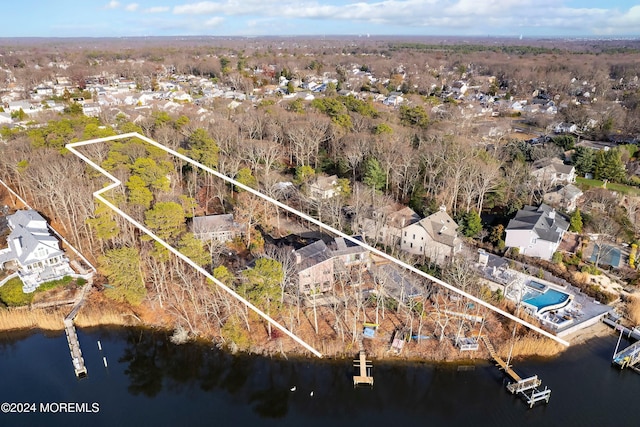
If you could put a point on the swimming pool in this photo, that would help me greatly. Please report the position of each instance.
(547, 300)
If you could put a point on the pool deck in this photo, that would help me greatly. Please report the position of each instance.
(582, 312)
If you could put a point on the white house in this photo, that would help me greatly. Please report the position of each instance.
(536, 231)
(553, 172)
(324, 187)
(91, 109)
(565, 128)
(33, 251)
(434, 237)
(459, 87)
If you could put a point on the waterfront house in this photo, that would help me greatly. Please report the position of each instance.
(33, 251)
(434, 237)
(318, 264)
(536, 231)
(315, 267)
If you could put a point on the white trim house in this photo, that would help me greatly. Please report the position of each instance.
(33, 251)
(536, 231)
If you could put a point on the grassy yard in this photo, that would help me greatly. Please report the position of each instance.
(11, 292)
(620, 188)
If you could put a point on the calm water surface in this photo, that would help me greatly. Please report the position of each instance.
(149, 381)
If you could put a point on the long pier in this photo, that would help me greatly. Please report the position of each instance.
(527, 387)
(72, 337)
(74, 348)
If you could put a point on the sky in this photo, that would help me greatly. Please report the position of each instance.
(122, 18)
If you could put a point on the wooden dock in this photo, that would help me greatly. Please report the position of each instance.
(72, 337)
(526, 387)
(74, 349)
(364, 369)
(363, 366)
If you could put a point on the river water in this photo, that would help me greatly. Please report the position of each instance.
(149, 381)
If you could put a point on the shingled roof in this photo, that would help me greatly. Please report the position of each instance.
(543, 220)
(440, 227)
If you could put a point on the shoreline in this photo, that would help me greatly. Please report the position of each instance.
(96, 315)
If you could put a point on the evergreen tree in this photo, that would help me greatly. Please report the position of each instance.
(193, 249)
(471, 224)
(583, 160)
(122, 267)
(245, 177)
(374, 175)
(166, 219)
(575, 222)
(223, 274)
(203, 148)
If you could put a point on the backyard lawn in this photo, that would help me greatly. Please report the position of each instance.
(620, 188)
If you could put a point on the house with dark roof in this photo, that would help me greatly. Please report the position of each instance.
(33, 251)
(435, 237)
(315, 267)
(536, 231)
(319, 264)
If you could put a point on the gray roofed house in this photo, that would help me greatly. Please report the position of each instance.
(315, 267)
(398, 283)
(553, 172)
(33, 251)
(536, 231)
(435, 237)
(216, 227)
(564, 197)
(318, 264)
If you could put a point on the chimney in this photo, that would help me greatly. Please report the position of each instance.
(443, 208)
(552, 214)
(483, 257)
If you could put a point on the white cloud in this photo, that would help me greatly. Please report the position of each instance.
(157, 9)
(465, 16)
(202, 7)
(113, 4)
(132, 7)
(214, 22)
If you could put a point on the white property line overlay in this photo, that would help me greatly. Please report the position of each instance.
(117, 183)
(378, 252)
